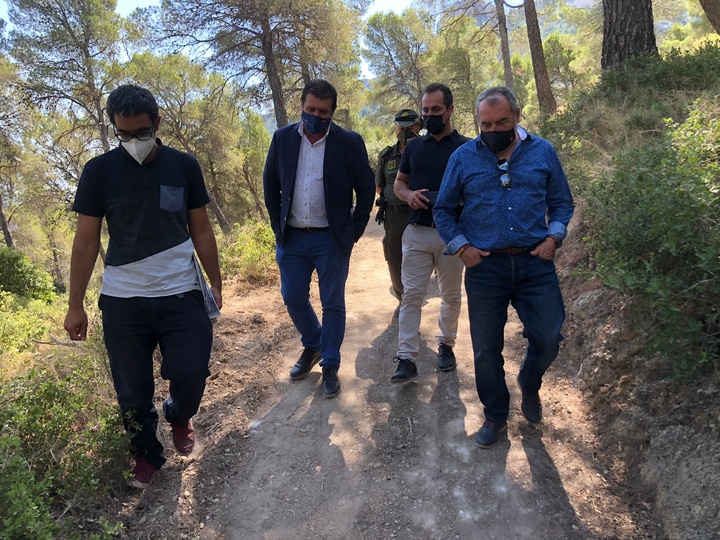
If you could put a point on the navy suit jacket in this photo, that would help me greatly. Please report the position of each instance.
(346, 170)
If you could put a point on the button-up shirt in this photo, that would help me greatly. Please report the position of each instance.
(538, 202)
(308, 202)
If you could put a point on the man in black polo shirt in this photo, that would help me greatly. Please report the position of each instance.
(417, 183)
(153, 199)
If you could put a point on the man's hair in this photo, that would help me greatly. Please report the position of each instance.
(491, 95)
(439, 87)
(131, 100)
(321, 89)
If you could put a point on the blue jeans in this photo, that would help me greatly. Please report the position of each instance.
(133, 328)
(301, 253)
(530, 284)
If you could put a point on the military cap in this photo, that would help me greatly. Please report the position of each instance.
(407, 117)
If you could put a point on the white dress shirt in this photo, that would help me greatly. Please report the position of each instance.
(308, 203)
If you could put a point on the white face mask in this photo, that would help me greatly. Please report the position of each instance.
(139, 149)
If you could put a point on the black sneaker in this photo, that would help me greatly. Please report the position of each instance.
(446, 358)
(489, 433)
(530, 405)
(405, 371)
(330, 382)
(304, 365)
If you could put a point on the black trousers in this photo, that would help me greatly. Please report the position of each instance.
(133, 328)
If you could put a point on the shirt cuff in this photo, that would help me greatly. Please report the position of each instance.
(555, 228)
(455, 244)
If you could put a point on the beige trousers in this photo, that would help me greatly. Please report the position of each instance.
(422, 250)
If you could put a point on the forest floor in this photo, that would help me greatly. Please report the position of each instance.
(276, 460)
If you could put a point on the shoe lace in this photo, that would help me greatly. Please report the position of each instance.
(329, 374)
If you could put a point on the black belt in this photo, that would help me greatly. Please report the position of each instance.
(309, 229)
(426, 223)
(513, 250)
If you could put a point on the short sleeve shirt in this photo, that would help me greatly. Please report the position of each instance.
(424, 161)
(146, 209)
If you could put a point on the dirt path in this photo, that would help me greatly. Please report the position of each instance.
(385, 461)
(279, 461)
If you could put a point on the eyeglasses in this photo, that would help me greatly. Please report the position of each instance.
(504, 177)
(142, 135)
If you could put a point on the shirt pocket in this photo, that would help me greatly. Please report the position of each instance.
(172, 198)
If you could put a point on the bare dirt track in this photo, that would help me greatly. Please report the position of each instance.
(279, 461)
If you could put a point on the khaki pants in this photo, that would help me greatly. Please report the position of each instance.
(422, 252)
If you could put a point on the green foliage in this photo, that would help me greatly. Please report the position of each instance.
(628, 109)
(655, 235)
(249, 253)
(642, 150)
(59, 435)
(19, 276)
(22, 322)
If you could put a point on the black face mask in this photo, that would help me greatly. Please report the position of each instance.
(498, 141)
(405, 135)
(434, 123)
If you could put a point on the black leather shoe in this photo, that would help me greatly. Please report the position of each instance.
(446, 358)
(530, 406)
(489, 433)
(405, 371)
(304, 365)
(330, 382)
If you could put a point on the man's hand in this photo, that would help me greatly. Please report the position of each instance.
(76, 324)
(416, 200)
(471, 256)
(217, 295)
(545, 249)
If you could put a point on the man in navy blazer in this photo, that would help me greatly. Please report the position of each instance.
(312, 171)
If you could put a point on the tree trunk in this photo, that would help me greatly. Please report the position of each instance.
(542, 79)
(5, 226)
(712, 10)
(627, 31)
(222, 220)
(58, 278)
(504, 43)
(273, 75)
(102, 126)
(252, 188)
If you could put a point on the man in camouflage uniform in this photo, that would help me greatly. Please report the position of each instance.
(407, 125)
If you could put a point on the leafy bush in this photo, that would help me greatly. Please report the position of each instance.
(628, 109)
(249, 253)
(22, 322)
(654, 235)
(60, 435)
(18, 275)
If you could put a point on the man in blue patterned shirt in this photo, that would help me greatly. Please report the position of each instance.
(516, 208)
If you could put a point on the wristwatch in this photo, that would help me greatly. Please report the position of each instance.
(558, 241)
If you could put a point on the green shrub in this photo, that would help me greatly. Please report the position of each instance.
(655, 235)
(18, 275)
(22, 322)
(628, 108)
(60, 438)
(249, 253)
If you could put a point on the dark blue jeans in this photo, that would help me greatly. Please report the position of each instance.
(133, 328)
(301, 253)
(530, 284)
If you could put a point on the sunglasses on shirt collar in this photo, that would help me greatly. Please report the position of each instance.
(503, 165)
